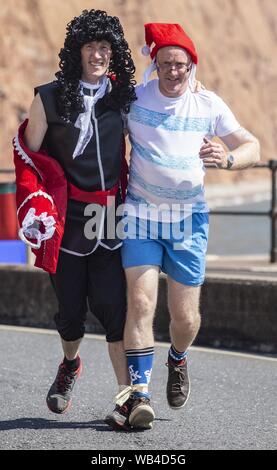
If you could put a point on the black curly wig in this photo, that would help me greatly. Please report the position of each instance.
(94, 25)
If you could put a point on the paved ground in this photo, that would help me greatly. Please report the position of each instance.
(255, 267)
(232, 403)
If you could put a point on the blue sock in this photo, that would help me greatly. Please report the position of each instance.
(176, 356)
(140, 363)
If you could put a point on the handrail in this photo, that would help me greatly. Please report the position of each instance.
(272, 213)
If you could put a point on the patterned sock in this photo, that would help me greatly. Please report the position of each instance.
(140, 363)
(177, 357)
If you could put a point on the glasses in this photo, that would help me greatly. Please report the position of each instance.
(180, 66)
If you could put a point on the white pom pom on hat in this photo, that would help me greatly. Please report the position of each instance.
(145, 50)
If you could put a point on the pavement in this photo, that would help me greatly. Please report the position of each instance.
(249, 267)
(232, 405)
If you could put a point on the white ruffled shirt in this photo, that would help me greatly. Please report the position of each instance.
(83, 121)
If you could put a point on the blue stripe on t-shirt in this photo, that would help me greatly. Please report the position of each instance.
(163, 192)
(174, 162)
(155, 119)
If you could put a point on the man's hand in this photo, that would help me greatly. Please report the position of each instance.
(198, 87)
(213, 154)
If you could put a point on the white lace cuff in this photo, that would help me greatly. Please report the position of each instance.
(37, 193)
(31, 227)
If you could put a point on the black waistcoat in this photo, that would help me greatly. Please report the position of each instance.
(98, 168)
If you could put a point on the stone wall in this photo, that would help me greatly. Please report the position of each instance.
(236, 314)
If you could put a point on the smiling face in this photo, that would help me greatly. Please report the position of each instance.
(173, 69)
(95, 57)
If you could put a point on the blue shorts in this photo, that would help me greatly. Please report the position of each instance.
(178, 248)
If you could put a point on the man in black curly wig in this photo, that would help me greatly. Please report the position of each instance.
(77, 121)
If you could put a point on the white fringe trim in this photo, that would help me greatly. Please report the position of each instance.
(23, 154)
(37, 193)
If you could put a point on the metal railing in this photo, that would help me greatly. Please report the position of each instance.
(272, 213)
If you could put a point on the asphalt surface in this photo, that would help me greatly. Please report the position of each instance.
(232, 403)
(250, 267)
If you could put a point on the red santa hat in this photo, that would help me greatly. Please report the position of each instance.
(163, 35)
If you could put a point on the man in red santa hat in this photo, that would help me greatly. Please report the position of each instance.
(171, 130)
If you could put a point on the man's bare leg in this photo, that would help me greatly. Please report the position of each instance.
(142, 291)
(183, 303)
(119, 363)
(59, 397)
(71, 348)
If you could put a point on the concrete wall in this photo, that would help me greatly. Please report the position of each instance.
(236, 314)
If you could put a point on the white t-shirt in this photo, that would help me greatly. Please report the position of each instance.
(166, 135)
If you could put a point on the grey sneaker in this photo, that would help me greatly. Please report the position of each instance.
(59, 396)
(141, 415)
(118, 418)
(178, 385)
